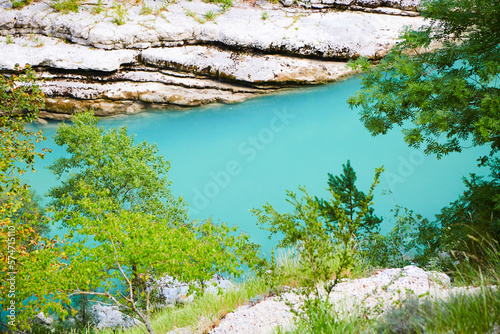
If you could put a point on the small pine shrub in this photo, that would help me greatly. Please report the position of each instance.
(9, 39)
(265, 16)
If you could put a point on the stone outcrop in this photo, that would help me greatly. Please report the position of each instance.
(391, 7)
(176, 57)
(170, 291)
(367, 296)
(110, 317)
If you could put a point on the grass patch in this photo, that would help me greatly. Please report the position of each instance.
(195, 16)
(98, 8)
(210, 15)
(225, 4)
(66, 6)
(477, 312)
(120, 14)
(478, 271)
(20, 3)
(145, 10)
(205, 311)
(464, 313)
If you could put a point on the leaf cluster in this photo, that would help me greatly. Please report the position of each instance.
(133, 174)
(441, 82)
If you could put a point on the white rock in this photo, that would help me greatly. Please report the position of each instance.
(170, 290)
(332, 34)
(52, 52)
(111, 317)
(244, 67)
(41, 319)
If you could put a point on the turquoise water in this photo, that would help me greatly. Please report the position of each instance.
(227, 159)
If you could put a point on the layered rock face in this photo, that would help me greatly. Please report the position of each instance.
(123, 58)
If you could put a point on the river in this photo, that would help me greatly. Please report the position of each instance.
(228, 159)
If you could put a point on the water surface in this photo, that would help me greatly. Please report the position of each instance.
(227, 159)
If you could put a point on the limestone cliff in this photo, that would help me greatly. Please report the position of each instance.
(189, 53)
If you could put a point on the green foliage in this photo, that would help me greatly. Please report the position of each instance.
(320, 259)
(66, 6)
(226, 4)
(353, 203)
(30, 212)
(20, 3)
(125, 228)
(210, 15)
(265, 15)
(133, 174)
(477, 312)
(127, 249)
(8, 39)
(475, 213)
(307, 230)
(98, 9)
(464, 232)
(441, 82)
(401, 246)
(323, 232)
(26, 258)
(145, 10)
(349, 212)
(120, 14)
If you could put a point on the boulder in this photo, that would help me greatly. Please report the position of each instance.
(170, 291)
(43, 321)
(111, 317)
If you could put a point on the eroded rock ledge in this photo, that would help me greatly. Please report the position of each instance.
(170, 58)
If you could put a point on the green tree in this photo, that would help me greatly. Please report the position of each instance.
(133, 173)
(30, 212)
(403, 244)
(305, 230)
(440, 83)
(106, 241)
(326, 247)
(26, 258)
(352, 202)
(310, 230)
(472, 221)
(125, 227)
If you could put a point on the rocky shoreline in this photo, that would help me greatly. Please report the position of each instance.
(191, 53)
